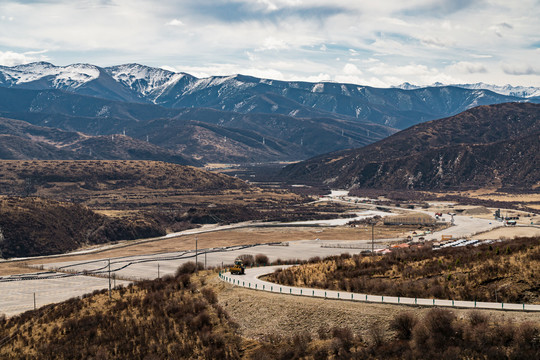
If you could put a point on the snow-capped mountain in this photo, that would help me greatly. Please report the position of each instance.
(59, 77)
(391, 107)
(144, 80)
(509, 90)
(519, 91)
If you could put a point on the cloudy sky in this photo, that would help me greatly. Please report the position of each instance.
(378, 43)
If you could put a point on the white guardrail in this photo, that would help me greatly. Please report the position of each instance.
(251, 281)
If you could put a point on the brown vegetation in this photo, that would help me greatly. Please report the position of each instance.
(505, 271)
(180, 317)
(460, 152)
(172, 318)
(33, 226)
(438, 335)
(139, 199)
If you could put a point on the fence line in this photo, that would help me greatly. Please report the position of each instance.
(396, 300)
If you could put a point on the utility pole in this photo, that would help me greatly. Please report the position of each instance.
(205, 260)
(109, 279)
(196, 255)
(372, 239)
(158, 271)
(34, 301)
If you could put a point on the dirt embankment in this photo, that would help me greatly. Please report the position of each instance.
(260, 314)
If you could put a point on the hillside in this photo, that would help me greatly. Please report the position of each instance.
(208, 134)
(473, 273)
(183, 317)
(22, 141)
(166, 319)
(134, 199)
(34, 226)
(49, 177)
(494, 145)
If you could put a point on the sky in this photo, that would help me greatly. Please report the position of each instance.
(377, 43)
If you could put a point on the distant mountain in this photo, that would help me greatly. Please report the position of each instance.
(392, 107)
(207, 134)
(496, 145)
(509, 90)
(20, 140)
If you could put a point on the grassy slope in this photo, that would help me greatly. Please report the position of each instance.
(33, 226)
(171, 319)
(179, 318)
(506, 271)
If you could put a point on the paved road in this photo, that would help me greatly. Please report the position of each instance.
(251, 280)
(146, 266)
(150, 266)
(60, 282)
(464, 226)
(17, 295)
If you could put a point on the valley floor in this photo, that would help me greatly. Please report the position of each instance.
(149, 258)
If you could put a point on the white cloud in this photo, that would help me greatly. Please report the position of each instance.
(351, 69)
(10, 58)
(416, 41)
(466, 67)
(481, 56)
(169, 68)
(175, 22)
(273, 43)
(521, 69)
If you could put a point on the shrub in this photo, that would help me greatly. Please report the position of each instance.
(403, 325)
(186, 268)
(209, 295)
(248, 260)
(377, 334)
(261, 259)
(477, 318)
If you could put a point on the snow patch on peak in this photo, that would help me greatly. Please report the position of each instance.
(142, 78)
(63, 76)
(518, 91)
(509, 90)
(318, 88)
(223, 82)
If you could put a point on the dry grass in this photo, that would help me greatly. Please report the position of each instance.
(170, 318)
(260, 314)
(505, 271)
(204, 318)
(508, 233)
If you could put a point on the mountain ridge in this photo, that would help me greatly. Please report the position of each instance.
(247, 94)
(147, 122)
(494, 145)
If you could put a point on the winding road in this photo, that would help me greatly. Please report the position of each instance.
(251, 280)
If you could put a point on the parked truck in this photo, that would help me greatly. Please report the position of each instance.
(238, 268)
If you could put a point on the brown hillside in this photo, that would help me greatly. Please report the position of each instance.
(22, 140)
(49, 177)
(488, 146)
(181, 318)
(504, 271)
(33, 226)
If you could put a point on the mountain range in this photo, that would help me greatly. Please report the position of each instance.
(519, 91)
(223, 118)
(496, 146)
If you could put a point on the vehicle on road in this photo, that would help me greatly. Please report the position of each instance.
(238, 268)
